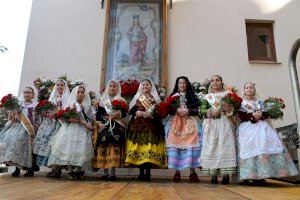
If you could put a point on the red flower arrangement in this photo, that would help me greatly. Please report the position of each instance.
(9, 102)
(173, 101)
(163, 109)
(44, 106)
(119, 105)
(129, 87)
(68, 113)
(233, 100)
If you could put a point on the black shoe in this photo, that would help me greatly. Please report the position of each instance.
(141, 177)
(80, 176)
(55, 173)
(36, 168)
(147, 177)
(260, 182)
(113, 178)
(29, 173)
(16, 173)
(71, 176)
(104, 178)
(244, 182)
(214, 180)
(225, 180)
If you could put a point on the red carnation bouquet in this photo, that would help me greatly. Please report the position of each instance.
(232, 99)
(273, 107)
(129, 87)
(44, 106)
(162, 110)
(119, 105)
(173, 101)
(9, 102)
(68, 113)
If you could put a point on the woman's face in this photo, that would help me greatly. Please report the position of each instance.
(28, 94)
(60, 85)
(182, 85)
(249, 90)
(80, 94)
(113, 88)
(216, 83)
(146, 86)
(136, 22)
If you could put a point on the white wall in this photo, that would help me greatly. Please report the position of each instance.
(205, 37)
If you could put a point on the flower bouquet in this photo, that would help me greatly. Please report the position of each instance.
(162, 92)
(68, 113)
(44, 106)
(129, 87)
(44, 87)
(119, 105)
(10, 102)
(273, 107)
(201, 89)
(173, 102)
(232, 99)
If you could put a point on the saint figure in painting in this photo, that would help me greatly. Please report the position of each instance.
(138, 41)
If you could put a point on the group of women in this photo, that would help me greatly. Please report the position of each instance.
(196, 134)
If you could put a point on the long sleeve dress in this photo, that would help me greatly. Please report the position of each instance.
(261, 154)
(218, 154)
(145, 142)
(15, 139)
(109, 145)
(184, 137)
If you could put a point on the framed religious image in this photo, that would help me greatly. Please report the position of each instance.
(135, 41)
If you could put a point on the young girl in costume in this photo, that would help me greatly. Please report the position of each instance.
(72, 145)
(183, 131)
(261, 153)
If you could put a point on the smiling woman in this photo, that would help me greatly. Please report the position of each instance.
(14, 18)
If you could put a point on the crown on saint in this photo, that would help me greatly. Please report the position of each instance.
(135, 17)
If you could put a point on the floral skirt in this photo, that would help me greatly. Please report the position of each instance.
(267, 166)
(41, 144)
(108, 156)
(138, 154)
(15, 146)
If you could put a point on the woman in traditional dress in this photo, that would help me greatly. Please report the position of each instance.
(17, 135)
(50, 126)
(218, 155)
(72, 145)
(109, 138)
(261, 153)
(145, 143)
(183, 131)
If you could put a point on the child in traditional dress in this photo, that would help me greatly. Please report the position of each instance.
(109, 140)
(50, 126)
(183, 131)
(17, 135)
(72, 145)
(261, 153)
(145, 143)
(218, 155)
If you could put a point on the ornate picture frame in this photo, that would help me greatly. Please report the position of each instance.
(135, 41)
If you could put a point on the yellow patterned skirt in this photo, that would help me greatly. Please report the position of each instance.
(108, 156)
(138, 154)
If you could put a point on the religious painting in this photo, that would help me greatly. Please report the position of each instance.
(135, 43)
